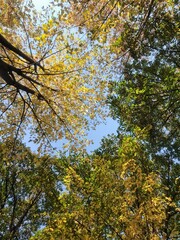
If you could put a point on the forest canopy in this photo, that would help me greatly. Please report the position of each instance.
(48, 69)
(60, 70)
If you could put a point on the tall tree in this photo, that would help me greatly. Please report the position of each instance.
(144, 35)
(112, 198)
(131, 189)
(46, 74)
(143, 39)
(29, 189)
(103, 197)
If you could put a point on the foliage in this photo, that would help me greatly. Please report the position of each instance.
(47, 75)
(109, 146)
(147, 96)
(128, 25)
(122, 196)
(28, 191)
(143, 38)
(52, 73)
(118, 198)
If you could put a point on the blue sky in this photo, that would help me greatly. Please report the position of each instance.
(102, 130)
(39, 3)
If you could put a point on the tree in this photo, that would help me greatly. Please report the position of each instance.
(46, 75)
(145, 36)
(142, 38)
(105, 198)
(147, 97)
(29, 189)
(131, 21)
(129, 188)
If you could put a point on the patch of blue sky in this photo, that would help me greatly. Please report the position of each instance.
(40, 3)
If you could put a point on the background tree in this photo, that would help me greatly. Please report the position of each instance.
(29, 189)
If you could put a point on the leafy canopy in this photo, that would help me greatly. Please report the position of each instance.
(29, 188)
(129, 188)
(119, 198)
(47, 75)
